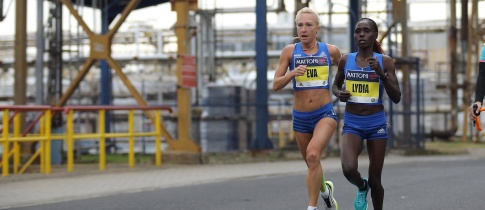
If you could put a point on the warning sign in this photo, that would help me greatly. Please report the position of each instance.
(189, 71)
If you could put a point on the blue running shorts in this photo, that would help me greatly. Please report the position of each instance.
(368, 127)
(305, 122)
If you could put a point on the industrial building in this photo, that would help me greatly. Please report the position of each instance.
(96, 63)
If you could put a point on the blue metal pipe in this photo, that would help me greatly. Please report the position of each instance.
(419, 137)
(106, 78)
(262, 141)
(354, 17)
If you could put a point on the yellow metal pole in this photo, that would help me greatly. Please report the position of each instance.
(131, 139)
(47, 151)
(80, 76)
(5, 143)
(139, 98)
(158, 153)
(291, 136)
(70, 141)
(42, 144)
(184, 95)
(126, 81)
(29, 162)
(281, 135)
(102, 142)
(16, 144)
(471, 52)
(20, 54)
(89, 62)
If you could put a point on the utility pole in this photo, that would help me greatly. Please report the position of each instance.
(1, 10)
(20, 91)
(184, 94)
(452, 48)
(262, 141)
(354, 16)
(39, 60)
(399, 8)
(473, 47)
(54, 87)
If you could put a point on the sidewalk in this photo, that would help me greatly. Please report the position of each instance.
(34, 189)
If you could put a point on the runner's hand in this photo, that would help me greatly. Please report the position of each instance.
(374, 65)
(300, 70)
(344, 95)
(473, 115)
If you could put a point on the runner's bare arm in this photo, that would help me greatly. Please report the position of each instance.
(338, 81)
(335, 54)
(281, 79)
(391, 84)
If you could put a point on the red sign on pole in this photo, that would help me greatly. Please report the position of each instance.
(189, 71)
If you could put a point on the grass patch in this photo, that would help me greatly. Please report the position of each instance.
(246, 157)
(453, 147)
(116, 158)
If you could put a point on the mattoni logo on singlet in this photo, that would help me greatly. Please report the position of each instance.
(353, 75)
(311, 61)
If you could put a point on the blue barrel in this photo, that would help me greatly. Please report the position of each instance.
(56, 147)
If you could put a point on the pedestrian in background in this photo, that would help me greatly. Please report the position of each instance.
(366, 73)
(314, 119)
(479, 89)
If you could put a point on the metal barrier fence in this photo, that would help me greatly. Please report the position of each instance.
(44, 135)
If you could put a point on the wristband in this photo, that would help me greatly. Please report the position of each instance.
(385, 77)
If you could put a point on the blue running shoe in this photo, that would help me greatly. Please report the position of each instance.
(330, 202)
(360, 202)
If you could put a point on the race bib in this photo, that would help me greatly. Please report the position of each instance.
(362, 85)
(316, 74)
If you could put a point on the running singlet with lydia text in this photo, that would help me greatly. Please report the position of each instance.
(317, 75)
(363, 83)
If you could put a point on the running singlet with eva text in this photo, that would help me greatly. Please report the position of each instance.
(316, 74)
(362, 85)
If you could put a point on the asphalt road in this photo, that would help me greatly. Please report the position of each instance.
(454, 184)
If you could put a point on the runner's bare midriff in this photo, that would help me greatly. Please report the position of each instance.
(363, 109)
(310, 100)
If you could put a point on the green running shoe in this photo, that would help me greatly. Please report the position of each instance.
(330, 202)
(360, 202)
